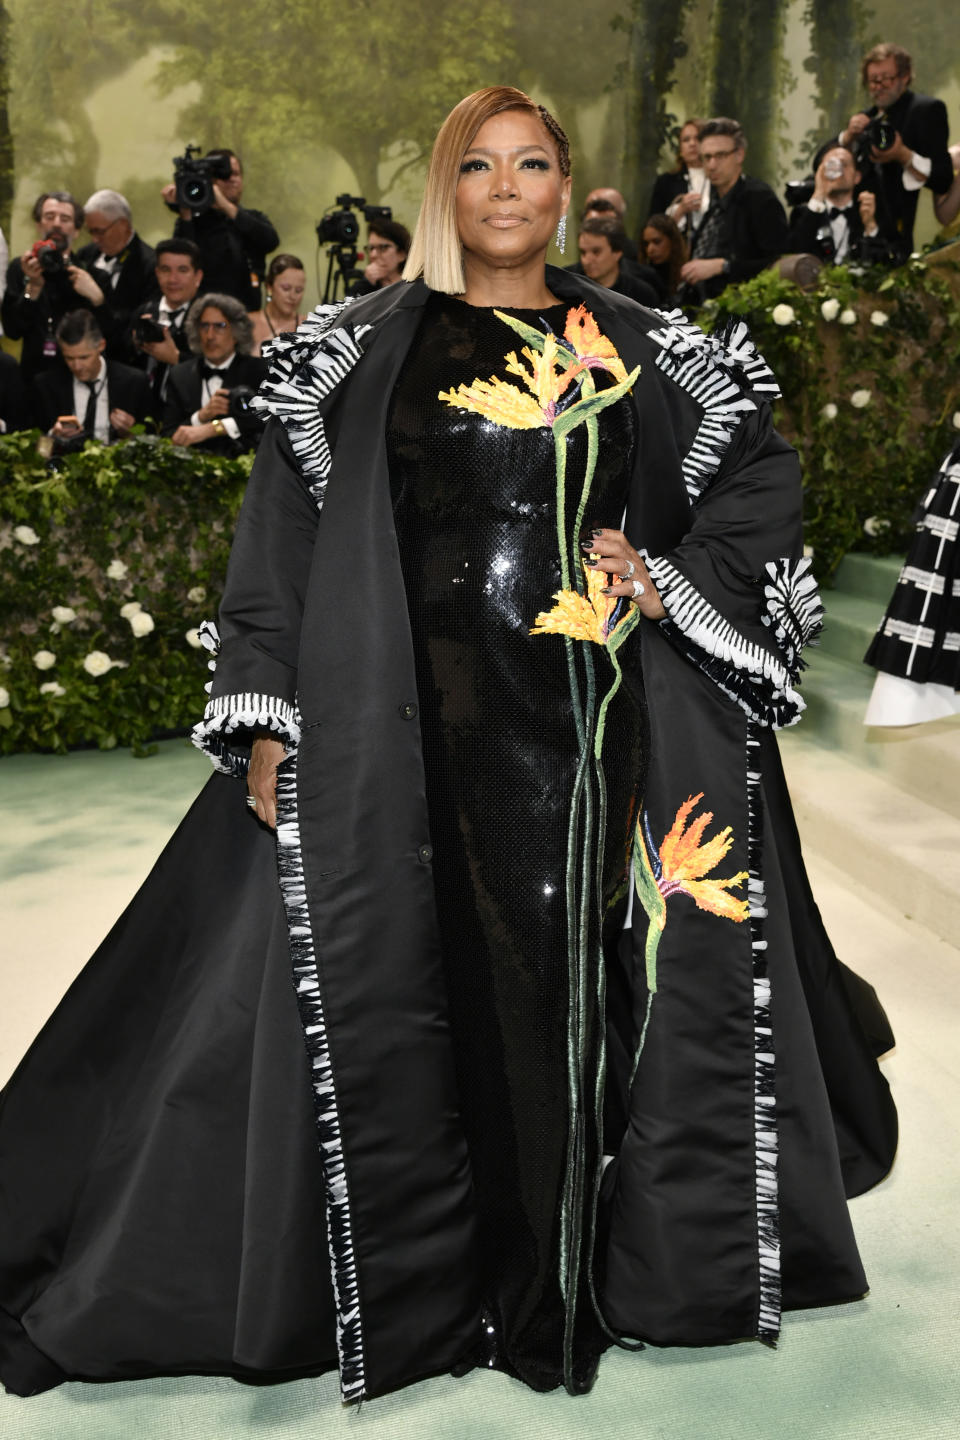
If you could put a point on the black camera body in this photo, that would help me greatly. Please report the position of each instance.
(879, 134)
(50, 255)
(799, 192)
(194, 174)
(146, 331)
(340, 226)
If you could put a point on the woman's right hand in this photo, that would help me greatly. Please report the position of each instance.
(265, 756)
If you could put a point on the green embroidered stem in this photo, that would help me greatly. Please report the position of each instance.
(593, 429)
(560, 452)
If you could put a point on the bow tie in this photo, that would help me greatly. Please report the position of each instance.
(208, 371)
(833, 212)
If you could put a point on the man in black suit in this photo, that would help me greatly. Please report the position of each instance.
(122, 265)
(179, 277)
(918, 154)
(834, 225)
(745, 227)
(234, 241)
(600, 243)
(45, 283)
(91, 398)
(206, 396)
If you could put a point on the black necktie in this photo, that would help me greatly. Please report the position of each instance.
(90, 417)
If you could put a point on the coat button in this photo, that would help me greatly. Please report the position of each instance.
(408, 711)
(425, 854)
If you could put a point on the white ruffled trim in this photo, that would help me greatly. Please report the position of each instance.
(229, 713)
(762, 683)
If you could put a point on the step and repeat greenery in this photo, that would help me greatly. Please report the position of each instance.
(110, 561)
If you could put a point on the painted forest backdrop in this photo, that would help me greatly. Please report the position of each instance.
(321, 97)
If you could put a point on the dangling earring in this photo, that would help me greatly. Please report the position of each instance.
(562, 234)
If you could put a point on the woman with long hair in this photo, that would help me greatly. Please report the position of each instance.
(663, 247)
(286, 282)
(683, 193)
(515, 600)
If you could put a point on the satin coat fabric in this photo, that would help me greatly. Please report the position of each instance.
(314, 615)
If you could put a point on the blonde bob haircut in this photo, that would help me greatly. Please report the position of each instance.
(435, 252)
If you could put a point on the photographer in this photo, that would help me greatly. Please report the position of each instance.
(91, 398)
(233, 241)
(387, 244)
(45, 283)
(899, 144)
(122, 265)
(159, 329)
(207, 397)
(834, 225)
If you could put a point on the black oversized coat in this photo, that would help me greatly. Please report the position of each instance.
(316, 647)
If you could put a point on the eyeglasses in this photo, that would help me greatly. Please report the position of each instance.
(876, 82)
(379, 249)
(716, 155)
(98, 231)
(213, 325)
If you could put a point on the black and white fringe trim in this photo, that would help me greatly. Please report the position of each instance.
(762, 683)
(304, 368)
(725, 374)
(792, 607)
(310, 1002)
(229, 713)
(764, 1073)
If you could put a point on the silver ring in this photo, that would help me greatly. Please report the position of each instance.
(251, 802)
(638, 589)
(629, 570)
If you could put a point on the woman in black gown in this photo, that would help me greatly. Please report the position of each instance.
(581, 1063)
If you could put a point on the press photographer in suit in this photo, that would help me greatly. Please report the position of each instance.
(835, 224)
(159, 329)
(234, 241)
(46, 282)
(899, 143)
(90, 398)
(207, 396)
(122, 265)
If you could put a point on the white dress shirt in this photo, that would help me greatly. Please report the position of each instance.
(81, 395)
(208, 388)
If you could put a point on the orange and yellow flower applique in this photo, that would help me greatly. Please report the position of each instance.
(582, 617)
(591, 347)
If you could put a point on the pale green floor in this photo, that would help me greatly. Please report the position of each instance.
(76, 837)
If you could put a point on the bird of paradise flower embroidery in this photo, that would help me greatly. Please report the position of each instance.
(679, 867)
(583, 617)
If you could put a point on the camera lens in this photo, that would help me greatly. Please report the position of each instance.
(194, 191)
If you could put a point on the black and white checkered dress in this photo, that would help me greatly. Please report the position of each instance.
(917, 645)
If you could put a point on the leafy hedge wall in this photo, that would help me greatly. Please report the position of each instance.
(867, 364)
(107, 567)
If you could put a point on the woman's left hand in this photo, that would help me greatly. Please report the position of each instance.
(624, 567)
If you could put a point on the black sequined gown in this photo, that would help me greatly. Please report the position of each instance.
(475, 506)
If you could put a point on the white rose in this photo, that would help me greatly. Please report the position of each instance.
(879, 317)
(829, 411)
(63, 614)
(141, 623)
(956, 419)
(51, 687)
(116, 570)
(808, 552)
(132, 607)
(783, 314)
(848, 317)
(874, 525)
(192, 637)
(26, 535)
(44, 659)
(860, 399)
(4, 698)
(197, 595)
(830, 309)
(97, 662)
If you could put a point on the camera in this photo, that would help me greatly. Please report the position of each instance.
(799, 192)
(194, 174)
(50, 253)
(239, 407)
(339, 226)
(146, 331)
(878, 135)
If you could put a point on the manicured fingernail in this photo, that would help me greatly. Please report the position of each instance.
(596, 532)
(607, 590)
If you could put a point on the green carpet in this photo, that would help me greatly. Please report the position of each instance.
(76, 837)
